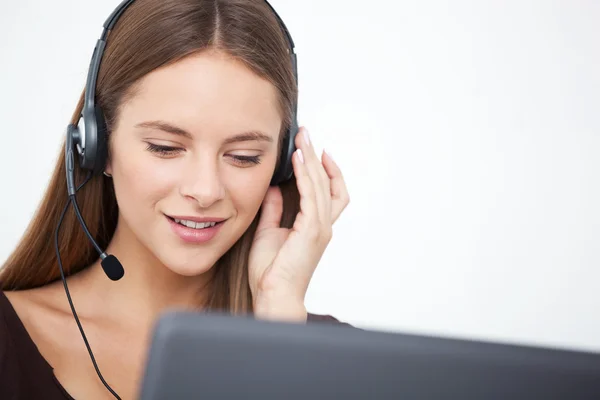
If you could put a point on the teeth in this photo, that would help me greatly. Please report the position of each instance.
(195, 225)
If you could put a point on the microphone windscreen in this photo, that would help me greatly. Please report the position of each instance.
(112, 267)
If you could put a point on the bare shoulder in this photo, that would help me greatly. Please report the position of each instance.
(35, 304)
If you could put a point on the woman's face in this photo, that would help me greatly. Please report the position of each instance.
(197, 143)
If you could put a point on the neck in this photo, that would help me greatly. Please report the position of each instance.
(147, 289)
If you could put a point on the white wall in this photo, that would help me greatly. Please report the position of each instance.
(468, 132)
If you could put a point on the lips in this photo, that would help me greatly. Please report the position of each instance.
(196, 219)
(200, 232)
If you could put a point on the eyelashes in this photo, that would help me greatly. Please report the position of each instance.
(163, 150)
(167, 151)
(246, 160)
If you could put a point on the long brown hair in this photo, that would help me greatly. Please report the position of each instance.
(152, 34)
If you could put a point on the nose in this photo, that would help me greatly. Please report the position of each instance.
(201, 182)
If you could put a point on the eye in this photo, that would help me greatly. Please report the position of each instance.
(163, 151)
(245, 161)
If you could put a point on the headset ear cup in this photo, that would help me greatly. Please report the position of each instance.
(285, 171)
(101, 142)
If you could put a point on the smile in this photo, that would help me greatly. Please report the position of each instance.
(197, 232)
(195, 225)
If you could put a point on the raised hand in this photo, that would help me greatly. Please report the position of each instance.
(282, 261)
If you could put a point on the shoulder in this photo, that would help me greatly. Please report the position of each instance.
(12, 330)
(8, 321)
(4, 331)
(22, 325)
(9, 379)
(24, 372)
(324, 318)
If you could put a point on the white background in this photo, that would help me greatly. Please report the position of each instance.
(468, 132)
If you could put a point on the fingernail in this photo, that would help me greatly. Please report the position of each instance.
(328, 154)
(300, 156)
(306, 136)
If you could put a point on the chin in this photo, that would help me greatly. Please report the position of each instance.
(190, 268)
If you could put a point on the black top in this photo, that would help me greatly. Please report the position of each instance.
(25, 373)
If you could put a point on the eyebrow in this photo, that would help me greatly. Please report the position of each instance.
(169, 128)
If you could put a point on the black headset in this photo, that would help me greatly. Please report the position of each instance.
(91, 146)
(91, 149)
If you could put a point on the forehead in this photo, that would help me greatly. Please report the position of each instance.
(206, 92)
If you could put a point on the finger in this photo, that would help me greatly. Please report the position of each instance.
(319, 177)
(339, 191)
(308, 216)
(272, 209)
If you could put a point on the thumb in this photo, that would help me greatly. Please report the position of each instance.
(272, 209)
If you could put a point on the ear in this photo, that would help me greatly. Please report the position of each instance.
(108, 166)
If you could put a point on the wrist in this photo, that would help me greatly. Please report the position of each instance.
(279, 307)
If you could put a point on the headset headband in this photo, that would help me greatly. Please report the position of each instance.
(90, 91)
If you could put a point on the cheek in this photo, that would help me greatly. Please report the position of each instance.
(248, 192)
(139, 183)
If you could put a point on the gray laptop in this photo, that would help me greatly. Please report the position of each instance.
(202, 356)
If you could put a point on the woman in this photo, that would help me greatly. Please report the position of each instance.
(197, 96)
